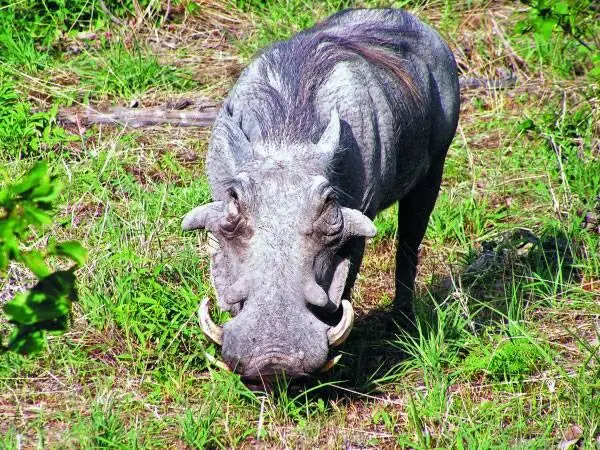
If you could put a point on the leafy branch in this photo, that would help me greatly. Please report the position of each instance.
(545, 15)
(46, 307)
(576, 18)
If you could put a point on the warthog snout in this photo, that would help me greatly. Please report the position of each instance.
(301, 350)
(272, 362)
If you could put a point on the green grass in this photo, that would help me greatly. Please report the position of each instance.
(122, 72)
(505, 351)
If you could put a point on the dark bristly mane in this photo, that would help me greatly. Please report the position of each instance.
(302, 66)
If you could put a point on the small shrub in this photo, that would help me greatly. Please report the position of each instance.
(46, 21)
(510, 359)
(47, 306)
(576, 19)
(569, 148)
(23, 132)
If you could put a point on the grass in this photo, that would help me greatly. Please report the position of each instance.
(505, 353)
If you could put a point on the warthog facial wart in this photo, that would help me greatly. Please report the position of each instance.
(319, 134)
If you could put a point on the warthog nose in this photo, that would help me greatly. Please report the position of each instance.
(273, 363)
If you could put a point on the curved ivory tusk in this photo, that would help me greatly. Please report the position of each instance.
(212, 244)
(338, 334)
(214, 361)
(211, 329)
(329, 364)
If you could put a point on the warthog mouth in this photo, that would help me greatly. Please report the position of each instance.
(267, 367)
(273, 363)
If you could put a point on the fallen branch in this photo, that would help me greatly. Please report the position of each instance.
(467, 84)
(196, 113)
(199, 116)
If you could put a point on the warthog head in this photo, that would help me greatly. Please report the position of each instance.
(279, 265)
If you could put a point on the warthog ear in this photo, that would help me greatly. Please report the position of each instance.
(330, 139)
(204, 217)
(356, 224)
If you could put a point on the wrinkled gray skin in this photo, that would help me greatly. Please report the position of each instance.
(319, 134)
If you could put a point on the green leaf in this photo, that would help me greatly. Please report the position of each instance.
(47, 192)
(192, 7)
(61, 283)
(526, 124)
(544, 26)
(35, 261)
(28, 343)
(17, 310)
(36, 216)
(29, 308)
(31, 179)
(4, 193)
(10, 245)
(72, 250)
(561, 8)
(49, 299)
(45, 308)
(51, 308)
(3, 258)
(522, 27)
(594, 73)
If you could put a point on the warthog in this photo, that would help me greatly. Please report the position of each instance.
(319, 134)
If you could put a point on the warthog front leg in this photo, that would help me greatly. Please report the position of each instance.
(414, 210)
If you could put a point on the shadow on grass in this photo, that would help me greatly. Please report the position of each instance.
(492, 285)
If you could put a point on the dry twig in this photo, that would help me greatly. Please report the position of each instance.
(203, 114)
(110, 15)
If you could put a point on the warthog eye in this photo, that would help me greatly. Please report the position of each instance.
(231, 225)
(233, 194)
(330, 221)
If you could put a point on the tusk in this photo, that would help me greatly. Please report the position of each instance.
(212, 244)
(340, 332)
(329, 364)
(212, 330)
(214, 361)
